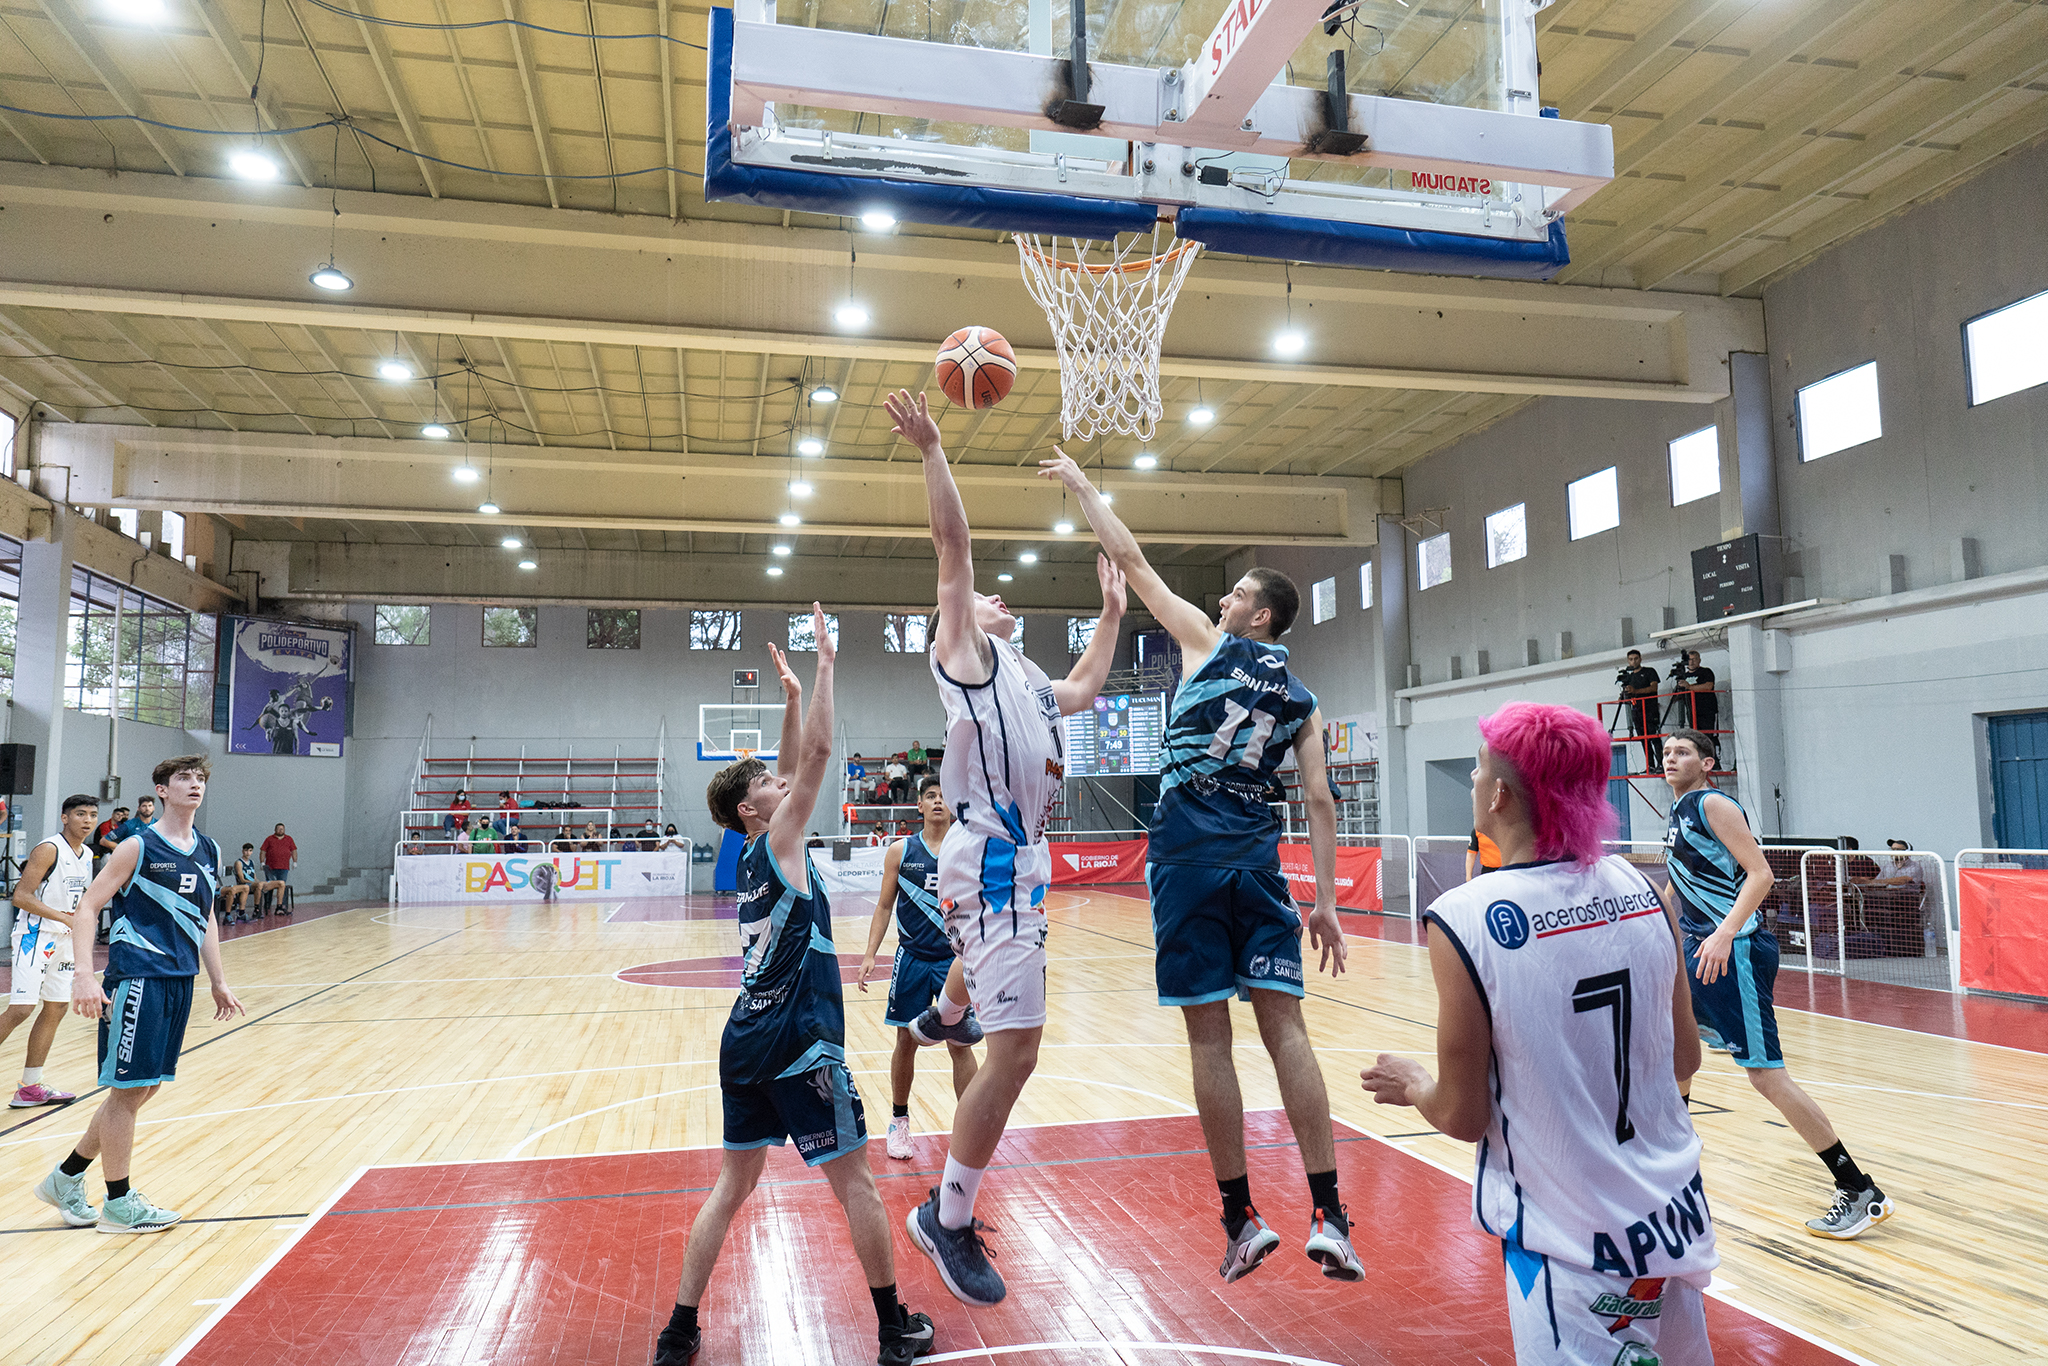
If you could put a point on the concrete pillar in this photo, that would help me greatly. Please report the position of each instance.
(42, 633)
(1391, 674)
(1758, 660)
(1756, 471)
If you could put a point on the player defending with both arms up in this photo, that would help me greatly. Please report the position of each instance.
(1003, 771)
(1223, 917)
(782, 1061)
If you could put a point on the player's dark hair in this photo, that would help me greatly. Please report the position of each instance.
(727, 789)
(927, 783)
(171, 768)
(72, 803)
(247, 847)
(1702, 744)
(1278, 595)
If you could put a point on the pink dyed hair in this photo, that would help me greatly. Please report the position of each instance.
(1562, 759)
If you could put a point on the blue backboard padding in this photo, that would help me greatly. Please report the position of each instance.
(957, 205)
(726, 876)
(1371, 246)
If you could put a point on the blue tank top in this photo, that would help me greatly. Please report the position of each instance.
(920, 924)
(160, 913)
(790, 1017)
(1703, 871)
(1230, 726)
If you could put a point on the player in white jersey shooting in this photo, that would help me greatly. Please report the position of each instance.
(1564, 1033)
(56, 875)
(1003, 771)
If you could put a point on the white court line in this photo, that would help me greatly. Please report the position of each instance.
(222, 1307)
(538, 1134)
(1712, 1290)
(1106, 1345)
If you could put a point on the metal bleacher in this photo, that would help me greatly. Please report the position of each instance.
(566, 789)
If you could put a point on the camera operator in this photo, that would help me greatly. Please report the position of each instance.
(1639, 697)
(1694, 683)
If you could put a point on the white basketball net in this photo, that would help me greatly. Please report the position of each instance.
(1108, 319)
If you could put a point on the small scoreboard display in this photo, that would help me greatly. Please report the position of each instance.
(1727, 579)
(1119, 734)
(746, 678)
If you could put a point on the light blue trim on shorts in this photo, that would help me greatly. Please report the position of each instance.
(1204, 999)
(757, 1143)
(1246, 986)
(1752, 1012)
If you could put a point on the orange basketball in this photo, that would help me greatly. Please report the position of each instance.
(976, 367)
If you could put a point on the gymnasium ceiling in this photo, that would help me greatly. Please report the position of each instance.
(1749, 137)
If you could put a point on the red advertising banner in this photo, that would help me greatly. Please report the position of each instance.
(2005, 930)
(1077, 861)
(1358, 875)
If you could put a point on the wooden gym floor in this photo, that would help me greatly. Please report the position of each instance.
(387, 1038)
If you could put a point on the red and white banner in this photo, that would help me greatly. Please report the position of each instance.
(1076, 861)
(2005, 930)
(1358, 875)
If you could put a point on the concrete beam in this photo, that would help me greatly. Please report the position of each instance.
(280, 475)
(241, 252)
(316, 571)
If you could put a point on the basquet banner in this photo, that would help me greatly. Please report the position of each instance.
(1079, 861)
(510, 877)
(1358, 875)
(2004, 913)
(287, 688)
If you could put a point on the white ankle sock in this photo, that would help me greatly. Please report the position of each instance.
(957, 1189)
(31, 1076)
(950, 1010)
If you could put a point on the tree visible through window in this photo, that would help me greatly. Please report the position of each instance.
(1433, 561)
(903, 633)
(1322, 598)
(511, 627)
(803, 633)
(1080, 633)
(402, 623)
(614, 628)
(716, 628)
(1507, 536)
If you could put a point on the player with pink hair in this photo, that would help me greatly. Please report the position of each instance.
(1564, 1031)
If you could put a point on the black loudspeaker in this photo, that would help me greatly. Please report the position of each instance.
(18, 770)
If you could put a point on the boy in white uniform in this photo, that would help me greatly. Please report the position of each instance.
(56, 875)
(1564, 1031)
(1003, 772)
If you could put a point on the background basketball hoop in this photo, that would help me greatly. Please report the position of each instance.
(1108, 319)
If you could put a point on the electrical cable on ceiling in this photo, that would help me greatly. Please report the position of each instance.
(499, 23)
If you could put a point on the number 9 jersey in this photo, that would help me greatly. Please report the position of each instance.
(1590, 1157)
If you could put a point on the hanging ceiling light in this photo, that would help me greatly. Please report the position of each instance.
(434, 431)
(778, 550)
(395, 370)
(1202, 416)
(252, 163)
(511, 543)
(851, 314)
(466, 474)
(1028, 557)
(1005, 578)
(774, 571)
(878, 220)
(1063, 528)
(824, 393)
(799, 489)
(529, 564)
(488, 509)
(790, 519)
(1146, 461)
(810, 445)
(1289, 343)
(329, 278)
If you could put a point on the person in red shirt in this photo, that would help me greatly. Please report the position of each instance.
(280, 855)
(457, 819)
(506, 802)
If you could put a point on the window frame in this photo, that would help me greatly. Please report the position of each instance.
(1365, 586)
(831, 630)
(1422, 583)
(896, 629)
(1970, 399)
(1799, 414)
(1081, 629)
(590, 621)
(533, 637)
(377, 625)
(1671, 467)
(1316, 615)
(1572, 532)
(735, 615)
(1521, 511)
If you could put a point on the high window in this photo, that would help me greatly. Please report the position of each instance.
(612, 628)
(903, 633)
(1080, 634)
(165, 655)
(1322, 600)
(1433, 561)
(1507, 536)
(1593, 504)
(2006, 351)
(1365, 585)
(1839, 412)
(1695, 466)
(511, 627)
(716, 628)
(803, 632)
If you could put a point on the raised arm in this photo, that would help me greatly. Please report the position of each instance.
(885, 904)
(786, 826)
(1076, 692)
(1324, 930)
(963, 653)
(792, 737)
(1188, 624)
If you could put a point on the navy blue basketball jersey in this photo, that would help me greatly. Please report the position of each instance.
(920, 924)
(1231, 725)
(160, 914)
(790, 1017)
(1703, 871)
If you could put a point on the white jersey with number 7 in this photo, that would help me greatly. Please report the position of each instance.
(1590, 1156)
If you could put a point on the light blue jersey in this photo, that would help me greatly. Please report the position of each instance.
(1703, 870)
(790, 1017)
(160, 914)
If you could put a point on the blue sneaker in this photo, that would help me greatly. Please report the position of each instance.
(929, 1029)
(958, 1253)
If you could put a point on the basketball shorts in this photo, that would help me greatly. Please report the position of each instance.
(143, 1030)
(819, 1110)
(1571, 1316)
(914, 983)
(1220, 932)
(1737, 1005)
(42, 963)
(993, 894)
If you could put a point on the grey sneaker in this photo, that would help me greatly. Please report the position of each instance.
(959, 1254)
(929, 1029)
(67, 1193)
(1851, 1213)
(1329, 1242)
(1242, 1257)
(132, 1213)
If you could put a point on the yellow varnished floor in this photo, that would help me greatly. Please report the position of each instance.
(384, 1036)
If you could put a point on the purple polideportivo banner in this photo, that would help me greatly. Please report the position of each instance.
(287, 688)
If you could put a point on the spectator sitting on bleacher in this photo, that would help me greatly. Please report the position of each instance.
(506, 802)
(899, 780)
(458, 811)
(593, 839)
(671, 840)
(484, 838)
(248, 887)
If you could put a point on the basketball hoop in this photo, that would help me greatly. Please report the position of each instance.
(1108, 321)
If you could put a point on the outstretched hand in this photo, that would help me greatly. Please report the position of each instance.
(1061, 466)
(913, 420)
(827, 651)
(787, 676)
(1112, 580)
